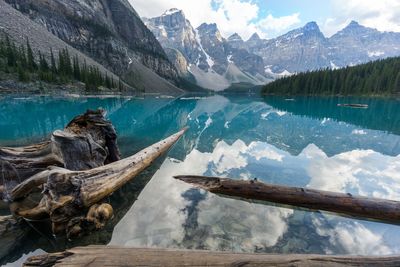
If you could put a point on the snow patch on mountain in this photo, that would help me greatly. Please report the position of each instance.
(210, 61)
(170, 12)
(375, 53)
(334, 66)
(277, 75)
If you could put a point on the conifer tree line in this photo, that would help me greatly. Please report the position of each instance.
(381, 77)
(61, 69)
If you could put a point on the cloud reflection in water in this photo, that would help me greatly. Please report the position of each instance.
(170, 213)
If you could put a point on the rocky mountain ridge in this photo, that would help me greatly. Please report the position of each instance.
(109, 31)
(307, 48)
(211, 60)
(216, 62)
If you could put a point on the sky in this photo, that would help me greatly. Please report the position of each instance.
(271, 18)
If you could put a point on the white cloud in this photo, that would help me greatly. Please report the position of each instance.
(230, 15)
(353, 237)
(278, 24)
(159, 216)
(383, 15)
(363, 172)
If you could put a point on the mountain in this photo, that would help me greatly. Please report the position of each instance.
(18, 27)
(111, 32)
(296, 51)
(370, 44)
(381, 77)
(203, 54)
(218, 63)
(173, 31)
(306, 48)
(235, 41)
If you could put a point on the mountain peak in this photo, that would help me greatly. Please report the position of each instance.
(254, 37)
(355, 28)
(311, 26)
(208, 27)
(235, 37)
(353, 23)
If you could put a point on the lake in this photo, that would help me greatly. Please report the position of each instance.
(305, 141)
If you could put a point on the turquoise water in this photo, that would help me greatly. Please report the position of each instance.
(309, 142)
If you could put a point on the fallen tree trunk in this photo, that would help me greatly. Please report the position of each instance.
(123, 256)
(69, 194)
(355, 206)
(87, 142)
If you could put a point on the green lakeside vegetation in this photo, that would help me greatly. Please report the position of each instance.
(62, 69)
(381, 77)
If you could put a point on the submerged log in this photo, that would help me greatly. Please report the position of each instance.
(87, 142)
(67, 194)
(123, 256)
(353, 105)
(355, 206)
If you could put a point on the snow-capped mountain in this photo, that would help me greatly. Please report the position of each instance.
(306, 48)
(213, 61)
(217, 63)
(236, 41)
(298, 50)
(357, 44)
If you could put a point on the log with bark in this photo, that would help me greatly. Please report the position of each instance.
(346, 204)
(88, 141)
(72, 199)
(123, 256)
(67, 178)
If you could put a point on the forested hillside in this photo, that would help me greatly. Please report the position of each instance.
(28, 66)
(380, 77)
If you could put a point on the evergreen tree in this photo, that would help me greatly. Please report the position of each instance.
(30, 58)
(396, 86)
(22, 59)
(67, 62)
(43, 65)
(77, 71)
(11, 53)
(53, 62)
(23, 76)
(21, 62)
(378, 77)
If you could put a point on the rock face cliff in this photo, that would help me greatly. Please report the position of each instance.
(213, 61)
(20, 28)
(109, 31)
(357, 44)
(306, 48)
(217, 62)
(298, 50)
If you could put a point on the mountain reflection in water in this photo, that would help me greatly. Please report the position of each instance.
(307, 142)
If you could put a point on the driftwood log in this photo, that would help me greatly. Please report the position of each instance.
(123, 256)
(88, 141)
(66, 179)
(347, 204)
(67, 194)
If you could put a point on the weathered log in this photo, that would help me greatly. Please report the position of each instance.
(123, 256)
(88, 141)
(68, 194)
(347, 204)
(353, 105)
